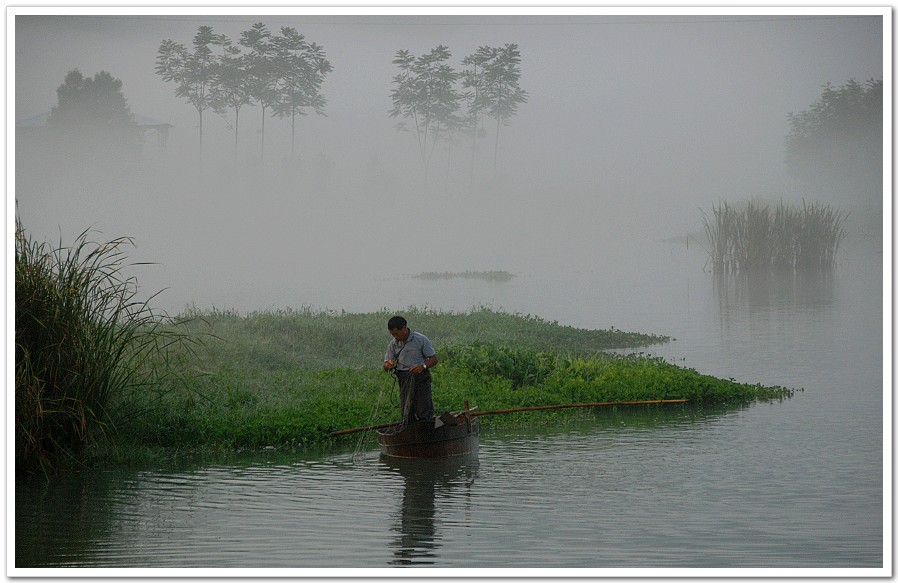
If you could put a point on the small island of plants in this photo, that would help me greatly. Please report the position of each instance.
(493, 275)
(100, 377)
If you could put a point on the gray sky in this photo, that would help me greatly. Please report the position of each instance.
(633, 124)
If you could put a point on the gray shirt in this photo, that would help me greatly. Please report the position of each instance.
(417, 349)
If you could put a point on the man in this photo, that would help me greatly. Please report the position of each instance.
(412, 356)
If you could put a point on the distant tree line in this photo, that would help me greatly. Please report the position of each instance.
(443, 102)
(837, 143)
(281, 73)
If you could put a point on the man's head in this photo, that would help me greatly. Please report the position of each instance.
(398, 327)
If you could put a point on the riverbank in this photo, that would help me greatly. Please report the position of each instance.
(287, 379)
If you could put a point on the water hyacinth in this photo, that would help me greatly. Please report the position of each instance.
(758, 238)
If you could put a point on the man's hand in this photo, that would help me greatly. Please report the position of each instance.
(418, 368)
(389, 364)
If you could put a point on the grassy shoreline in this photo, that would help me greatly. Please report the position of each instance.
(286, 379)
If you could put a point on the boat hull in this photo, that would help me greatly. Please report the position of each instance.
(431, 439)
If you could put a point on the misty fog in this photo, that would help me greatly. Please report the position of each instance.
(633, 125)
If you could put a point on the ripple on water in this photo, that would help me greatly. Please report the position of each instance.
(662, 488)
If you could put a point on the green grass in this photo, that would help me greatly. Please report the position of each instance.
(289, 378)
(308, 339)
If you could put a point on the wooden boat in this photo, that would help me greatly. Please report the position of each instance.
(449, 434)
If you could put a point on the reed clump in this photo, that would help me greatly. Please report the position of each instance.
(760, 238)
(83, 341)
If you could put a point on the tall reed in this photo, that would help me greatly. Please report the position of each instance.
(819, 237)
(757, 238)
(82, 340)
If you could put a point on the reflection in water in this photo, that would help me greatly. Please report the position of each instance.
(417, 539)
(766, 291)
(60, 522)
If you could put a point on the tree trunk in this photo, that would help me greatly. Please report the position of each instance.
(449, 166)
(473, 150)
(236, 131)
(424, 152)
(201, 136)
(263, 132)
(496, 149)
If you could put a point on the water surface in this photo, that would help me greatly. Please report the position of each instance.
(791, 484)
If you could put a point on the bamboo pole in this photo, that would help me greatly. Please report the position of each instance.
(368, 428)
(572, 405)
(518, 410)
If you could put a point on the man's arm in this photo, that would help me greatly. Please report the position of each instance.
(428, 363)
(390, 357)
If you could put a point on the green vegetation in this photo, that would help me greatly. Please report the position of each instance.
(757, 238)
(81, 339)
(285, 340)
(98, 375)
(497, 276)
(289, 378)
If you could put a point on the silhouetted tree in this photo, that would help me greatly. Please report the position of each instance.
(192, 72)
(300, 71)
(425, 92)
(472, 83)
(94, 110)
(405, 95)
(498, 93)
(92, 102)
(837, 143)
(231, 84)
(263, 74)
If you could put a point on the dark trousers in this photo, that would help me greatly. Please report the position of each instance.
(415, 395)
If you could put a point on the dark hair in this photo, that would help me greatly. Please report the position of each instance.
(396, 323)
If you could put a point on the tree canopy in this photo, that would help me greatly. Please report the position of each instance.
(426, 91)
(93, 118)
(300, 69)
(282, 74)
(91, 103)
(192, 73)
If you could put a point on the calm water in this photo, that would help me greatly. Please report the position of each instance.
(780, 485)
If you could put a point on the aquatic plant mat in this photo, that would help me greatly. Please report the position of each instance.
(287, 379)
(495, 276)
